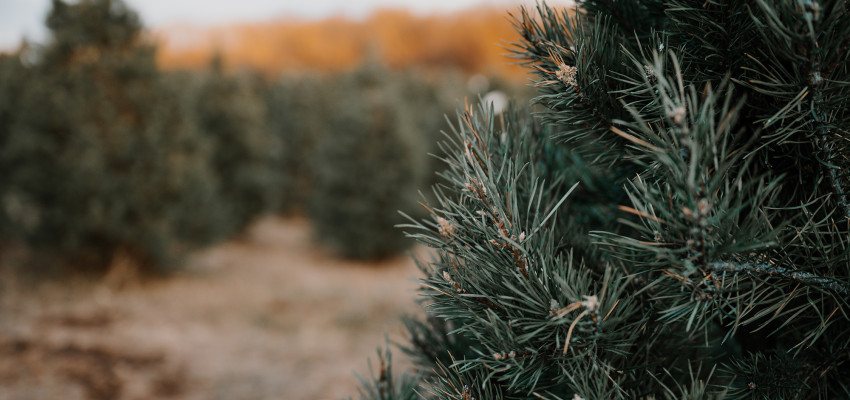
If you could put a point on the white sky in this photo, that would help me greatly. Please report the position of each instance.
(19, 18)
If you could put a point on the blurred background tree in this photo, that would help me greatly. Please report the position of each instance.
(231, 113)
(371, 160)
(293, 101)
(98, 160)
(13, 80)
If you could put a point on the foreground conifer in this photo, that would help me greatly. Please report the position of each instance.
(673, 224)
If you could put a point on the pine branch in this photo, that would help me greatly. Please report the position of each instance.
(816, 83)
(807, 278)
(833, 173)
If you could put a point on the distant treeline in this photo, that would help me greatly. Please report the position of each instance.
(471, 41)
(105, 157)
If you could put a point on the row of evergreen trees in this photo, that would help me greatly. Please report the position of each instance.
(104, 155)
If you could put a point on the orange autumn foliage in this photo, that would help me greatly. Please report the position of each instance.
(473, 41)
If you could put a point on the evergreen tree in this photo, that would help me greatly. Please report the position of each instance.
(13, 80)
(365, 164)
(231, 114)
(428, 98)
(673, 224)
(98, 156)
(371, 155)
(293, 119)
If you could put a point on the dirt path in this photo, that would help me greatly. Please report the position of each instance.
(267, 317)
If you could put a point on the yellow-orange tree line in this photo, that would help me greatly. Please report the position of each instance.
(467, 40)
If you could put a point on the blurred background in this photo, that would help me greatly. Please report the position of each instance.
(198, 199)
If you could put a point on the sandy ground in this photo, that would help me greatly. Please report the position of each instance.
(268, 316)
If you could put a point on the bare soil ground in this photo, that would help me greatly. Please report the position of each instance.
(268, 316)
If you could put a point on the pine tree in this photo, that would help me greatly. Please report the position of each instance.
(673, 223)
(372, 154)
(365, 164)
(13, 80)
(231, 114)
(98, 157)
(292, 118)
